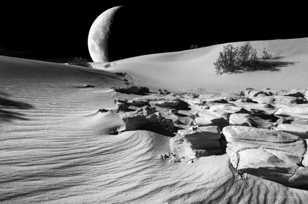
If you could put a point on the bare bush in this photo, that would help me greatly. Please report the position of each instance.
(245, 58)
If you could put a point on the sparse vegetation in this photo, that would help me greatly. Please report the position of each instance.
(245, 58)
(266, 55)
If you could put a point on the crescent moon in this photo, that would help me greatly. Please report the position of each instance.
(99, 34)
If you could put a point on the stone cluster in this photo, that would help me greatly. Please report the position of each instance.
(264, 132)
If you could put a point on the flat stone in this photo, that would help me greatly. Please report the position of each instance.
(264, 99)
(289, 100)
(271, 154)
(296, 94)
(225, 108)
(138, 90)
(176, 103)
(240, 119)
(297, 129)
(246, 100)
(146, 119)
(206, 118)
(138, 102)
(251, 93)
(195, 142)
(300, 110)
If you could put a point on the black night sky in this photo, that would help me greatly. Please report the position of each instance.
(59, 31)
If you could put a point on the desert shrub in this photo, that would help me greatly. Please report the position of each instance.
(241, 58)
(266, 55)
(227, 60)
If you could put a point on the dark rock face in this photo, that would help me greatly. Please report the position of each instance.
(176, 104)
(134, 90)
(143, 120)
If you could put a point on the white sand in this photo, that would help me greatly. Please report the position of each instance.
(192, 69)
(62, 154)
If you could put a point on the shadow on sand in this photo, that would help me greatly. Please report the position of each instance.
(7, 115)
(272, 65)
(269, 65)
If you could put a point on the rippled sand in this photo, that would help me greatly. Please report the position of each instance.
(57, 149)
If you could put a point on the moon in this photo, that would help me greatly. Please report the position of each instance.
(99, 35)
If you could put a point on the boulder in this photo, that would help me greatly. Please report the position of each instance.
(251, 93)
(296, 94)
(300, 110)
(147, 118)
(138, 102)
(138, 90)
(209, 118)
(175, 103)
(289, 100)
(246, 100)
(240, 119)
(271, 154)
(122, 105)
(195, 142)
(217, 100)
(226, 108)
(295, 128)
(264, 99)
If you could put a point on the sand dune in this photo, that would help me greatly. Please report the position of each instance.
(55, 144)
(195, 69)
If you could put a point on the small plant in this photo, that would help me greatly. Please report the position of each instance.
(266, 55)
(244, 58)
(235, 59)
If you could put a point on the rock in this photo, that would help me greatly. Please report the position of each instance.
(138, 102)
(246, 100)
(163, 91)
(219, 100)
(209, 118)
(138, 90)
(195, 142)
(122, 105)
(240, 119)
(295, 128)
(251, 93)
(262, 119)
(176, 103)
(271, 154)
(131, 105)
(264, 99)
(300, 110)
(299, 178)
(289, 100)
(147, 119)
(296, 94)
(86, 86)
(267, 108)
(226, 109)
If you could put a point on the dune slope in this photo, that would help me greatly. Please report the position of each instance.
(55, 146)
(195, 69)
